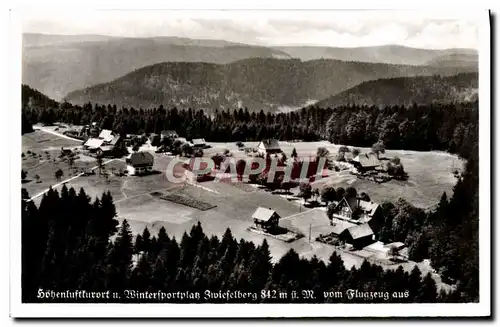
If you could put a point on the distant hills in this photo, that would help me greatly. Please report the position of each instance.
(408, 90)
(59, 64)
(389, 54)
(258, 83)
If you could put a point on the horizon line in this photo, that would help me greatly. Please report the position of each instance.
(251, 44)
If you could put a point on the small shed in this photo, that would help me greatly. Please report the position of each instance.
(265, 218)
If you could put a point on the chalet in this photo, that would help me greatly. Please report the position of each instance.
(366, 162)
(106, 135)
(199, 143)
(92, 144)
(139, 163)
(358, 236)
(355, 210)
(270, 146)
(265, 218)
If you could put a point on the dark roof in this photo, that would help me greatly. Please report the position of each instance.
(141, 159)
(360, 231)
(271, 144)
(264, 214)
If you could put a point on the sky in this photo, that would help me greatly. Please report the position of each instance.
(269, 28)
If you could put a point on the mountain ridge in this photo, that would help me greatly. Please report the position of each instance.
(59, 64)
(405, 91)
(256, 83)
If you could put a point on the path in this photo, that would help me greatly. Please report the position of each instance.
(55, 133)
(66, 181)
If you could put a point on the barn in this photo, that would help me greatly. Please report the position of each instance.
(270, 146)
(139, 163)
(358, 236)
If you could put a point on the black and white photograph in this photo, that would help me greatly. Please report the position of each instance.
(257, 160)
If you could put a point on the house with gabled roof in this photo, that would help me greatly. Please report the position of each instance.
(355, 210)
(366, 161)
(139, 163)
(358, 236)
(265, 218)
(106, 135)
(269, 146)
(92, 144)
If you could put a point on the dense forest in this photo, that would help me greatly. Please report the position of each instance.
(66, 245)
(449, 127)
(405, 91)
(256, 83)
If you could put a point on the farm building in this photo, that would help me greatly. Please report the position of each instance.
(265, 218)
(366, 162)
(199, 143)
(358, 236)
(355, 210)
(92, 144)
(105, 151)
(106, 135)
(139, 163)
(270, 146)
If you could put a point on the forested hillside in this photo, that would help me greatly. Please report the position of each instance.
(255, 83)
(59, 64)
(405, 91)
(448, 127)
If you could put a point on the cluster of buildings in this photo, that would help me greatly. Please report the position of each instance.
(353, 223)
(104, 144)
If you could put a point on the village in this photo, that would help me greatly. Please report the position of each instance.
(298, 214)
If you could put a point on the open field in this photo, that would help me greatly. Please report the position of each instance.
(430, 175)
